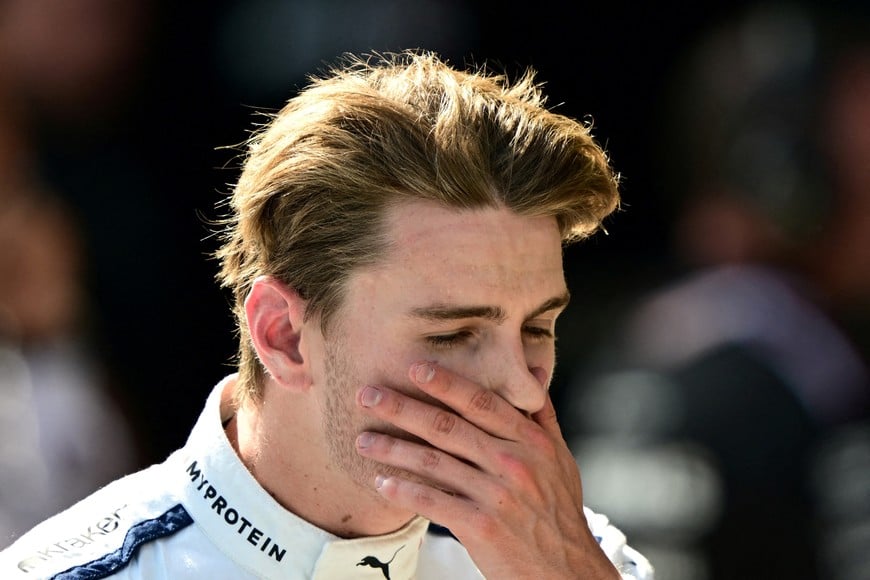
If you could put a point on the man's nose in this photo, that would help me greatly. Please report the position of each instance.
(522, 385)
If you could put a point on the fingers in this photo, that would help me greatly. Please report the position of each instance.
(547, 419)
(439, 427)
(431, 503)
(481, 406)
(475, 420)
(432, 465)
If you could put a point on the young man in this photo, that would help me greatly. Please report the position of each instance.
(394, 249)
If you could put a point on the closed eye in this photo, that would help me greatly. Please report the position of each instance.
(538, 333)
(450, 340)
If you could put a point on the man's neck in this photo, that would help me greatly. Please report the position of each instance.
(286, 453)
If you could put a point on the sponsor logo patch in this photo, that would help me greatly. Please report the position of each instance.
(232, 517)
(74, 546)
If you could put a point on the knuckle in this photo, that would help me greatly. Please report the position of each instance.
(422, 497)
(430, 459)
(444, 422)
(514, 468)
(482, 401)
(539, 440)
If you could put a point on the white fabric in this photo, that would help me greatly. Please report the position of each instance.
(239, 531)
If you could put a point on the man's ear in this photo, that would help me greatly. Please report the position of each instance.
(275, 313)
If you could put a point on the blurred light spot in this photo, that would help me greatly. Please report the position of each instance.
(668, 490)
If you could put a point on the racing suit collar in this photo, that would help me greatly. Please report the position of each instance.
(244, 521)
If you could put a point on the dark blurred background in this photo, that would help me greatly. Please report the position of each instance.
(713, 365)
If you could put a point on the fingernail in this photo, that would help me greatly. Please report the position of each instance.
(424, 372)
(365, 440)
(379, 481)
(370, 397)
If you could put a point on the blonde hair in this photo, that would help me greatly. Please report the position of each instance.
(309, 206)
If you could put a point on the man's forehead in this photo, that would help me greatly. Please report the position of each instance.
(438, 255)
(423, 229)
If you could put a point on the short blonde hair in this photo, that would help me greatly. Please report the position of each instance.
(309, 206)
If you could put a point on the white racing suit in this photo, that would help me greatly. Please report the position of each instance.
(200, 514)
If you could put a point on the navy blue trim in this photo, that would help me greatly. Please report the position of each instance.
(440, 531)
(171, 521)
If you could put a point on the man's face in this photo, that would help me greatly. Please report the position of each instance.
(478, 292)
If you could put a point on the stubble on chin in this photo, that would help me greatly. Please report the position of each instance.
(342, 422)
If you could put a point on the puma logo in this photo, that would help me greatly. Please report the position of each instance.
(375, 563)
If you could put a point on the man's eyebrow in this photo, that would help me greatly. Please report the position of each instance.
(553, 303)
(445, 312)
(497, 314)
